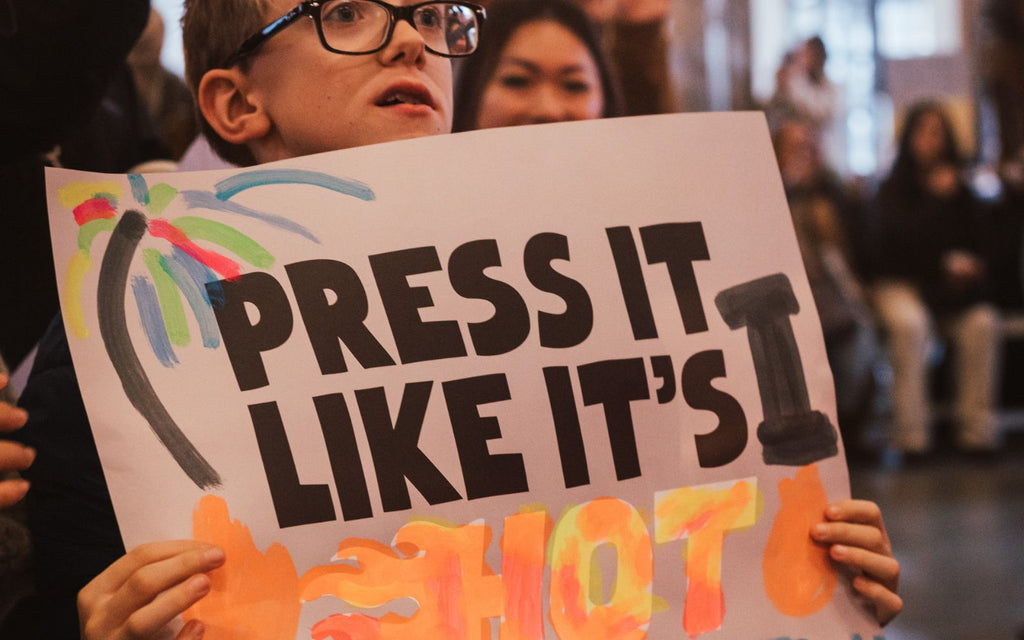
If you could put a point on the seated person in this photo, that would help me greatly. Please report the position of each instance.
(932, 278)
(256, 107)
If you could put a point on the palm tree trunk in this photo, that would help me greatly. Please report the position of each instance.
(113, 283)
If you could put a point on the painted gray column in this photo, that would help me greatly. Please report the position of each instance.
(792, 433)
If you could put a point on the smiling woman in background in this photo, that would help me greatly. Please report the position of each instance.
(539, 62)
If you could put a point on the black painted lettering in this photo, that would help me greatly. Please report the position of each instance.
(510, 325)
(244, 340)
(567, 427)
(661, 368)
(294, 503)
(729, 439)
(614, 384)
(568, 329)
(340, 438)
(678, 245)
(485, 474)
(395, 449)
(328, 324)
(631, 281)
(416, 340)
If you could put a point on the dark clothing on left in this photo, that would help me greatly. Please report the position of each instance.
(57, 62)
(64, 82)
(71, 518)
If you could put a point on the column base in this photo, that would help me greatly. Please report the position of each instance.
(798, 440)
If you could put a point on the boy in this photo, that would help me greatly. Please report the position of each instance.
(284, 95)
(286, 92)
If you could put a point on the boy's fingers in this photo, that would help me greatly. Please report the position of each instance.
(116, 574)
(14, 455)
(11, 417)
(858, 511)
(149, 583)
(193, 630)
(883, 568)
(169, 604)
(886, 602)
(12, 491)
(854, 535)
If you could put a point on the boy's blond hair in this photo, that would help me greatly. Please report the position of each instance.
(212, 30)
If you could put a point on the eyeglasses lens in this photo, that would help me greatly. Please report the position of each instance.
(359, 26)
(447, 28)
(354, 26)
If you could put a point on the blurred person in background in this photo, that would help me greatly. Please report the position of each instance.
(1003, 69)
(1003, 72)
(820, 207)
(932, 277)
(540, 61)
(165, 96)
(633, 33)
(802, 89)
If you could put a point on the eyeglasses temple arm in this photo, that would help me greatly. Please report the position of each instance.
(250, 45)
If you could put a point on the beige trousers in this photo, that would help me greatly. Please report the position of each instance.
(975, 337)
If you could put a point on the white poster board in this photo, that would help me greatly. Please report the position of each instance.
(563, 381)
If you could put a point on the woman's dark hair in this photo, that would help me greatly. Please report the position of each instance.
(504, 18)
(906, 171)
(1006, 19)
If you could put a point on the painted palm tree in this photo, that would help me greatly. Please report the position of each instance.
(189, 269)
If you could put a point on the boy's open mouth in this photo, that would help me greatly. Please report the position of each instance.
(405, 94)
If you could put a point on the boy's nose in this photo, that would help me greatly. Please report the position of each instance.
(406, 44)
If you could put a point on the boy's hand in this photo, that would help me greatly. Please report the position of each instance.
(856, 537)
(13, 456)
(135, 598)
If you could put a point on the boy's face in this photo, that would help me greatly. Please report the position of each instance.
(317, 100)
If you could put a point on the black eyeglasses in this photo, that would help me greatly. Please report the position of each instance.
(357, 27)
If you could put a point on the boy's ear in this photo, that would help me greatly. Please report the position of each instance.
(230, 108)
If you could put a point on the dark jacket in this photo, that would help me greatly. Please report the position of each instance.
(57, 60)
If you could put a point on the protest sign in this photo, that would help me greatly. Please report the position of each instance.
(563, 381)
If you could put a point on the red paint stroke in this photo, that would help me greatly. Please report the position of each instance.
(704, 608)
(94, 209)
(219, 263)
(341, 626)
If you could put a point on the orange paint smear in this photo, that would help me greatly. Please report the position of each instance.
(703, 516)
(522, 571)
(578, 533)
(254, 596)
(798, 576)
(441, 568)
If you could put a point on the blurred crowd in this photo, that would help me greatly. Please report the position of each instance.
(916, 274)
